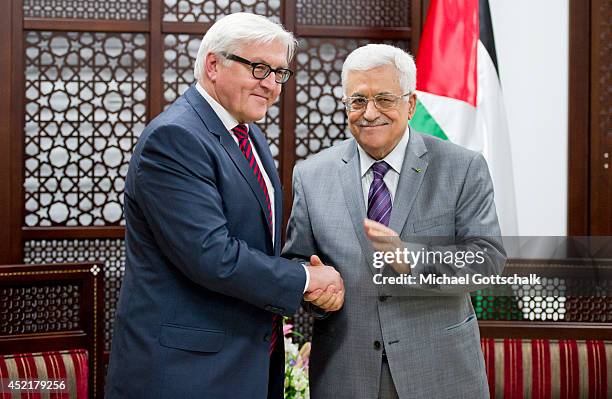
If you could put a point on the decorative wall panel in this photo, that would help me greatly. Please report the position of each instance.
(320, 115)
(41, 308)
(589, 309)
(86, 97)
(302, 323)
(488, 307)
(544, 302)
(387, 13)
(604, 73)
(212, 10)
(132, 10)
(108, 251)
(180, 52)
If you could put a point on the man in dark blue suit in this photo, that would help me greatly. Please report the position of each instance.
(199, 314)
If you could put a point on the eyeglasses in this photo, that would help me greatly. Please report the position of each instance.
(261, 70)
(381, 101)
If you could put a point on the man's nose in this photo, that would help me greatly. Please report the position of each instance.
(371, 112)
(269, 82)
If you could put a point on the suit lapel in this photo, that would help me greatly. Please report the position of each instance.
(411, 177)
(350, 180)
(216, 127)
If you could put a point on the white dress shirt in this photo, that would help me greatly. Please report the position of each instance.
(230, 122)
(395, 159)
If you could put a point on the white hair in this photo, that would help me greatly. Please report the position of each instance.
(234, 31)
(376, 55)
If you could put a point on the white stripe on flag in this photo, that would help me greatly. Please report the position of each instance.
(483, 129)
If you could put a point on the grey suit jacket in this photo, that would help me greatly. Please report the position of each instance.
(432, 341)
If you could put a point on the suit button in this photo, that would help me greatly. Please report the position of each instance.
(377, 345)
(383, 298)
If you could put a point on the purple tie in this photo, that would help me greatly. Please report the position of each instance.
(379, 197)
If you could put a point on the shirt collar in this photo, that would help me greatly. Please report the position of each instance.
(226, 118)
(395, 158)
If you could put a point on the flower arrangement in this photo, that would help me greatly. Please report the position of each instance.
(296, 366)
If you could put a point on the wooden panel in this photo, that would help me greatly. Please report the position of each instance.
(509, 329)
(155, 56)
(16, 133)
(84, 25)
(133, 10)
(354, 13)
(601, 118)
(5, 133)
(60, 232)
(578, 123)
(85, 108)
(211, 11)
(287, 139)
(416, 25)
(400, 33)
(194, 28)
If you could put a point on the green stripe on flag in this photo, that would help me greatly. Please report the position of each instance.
(424, 122)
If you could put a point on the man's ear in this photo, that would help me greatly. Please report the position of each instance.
(211, 66)
(412, 99)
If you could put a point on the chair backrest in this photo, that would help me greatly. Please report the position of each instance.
(548, 368)
(54, 313)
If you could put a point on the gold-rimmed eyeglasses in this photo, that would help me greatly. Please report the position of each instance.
(381, 101)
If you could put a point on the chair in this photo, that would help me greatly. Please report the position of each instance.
(51, 329)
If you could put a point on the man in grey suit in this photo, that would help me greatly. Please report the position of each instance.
(390, 187)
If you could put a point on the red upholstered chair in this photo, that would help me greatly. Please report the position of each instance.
(65, 374)
(547, 368)
(569, 358)
(51, 330)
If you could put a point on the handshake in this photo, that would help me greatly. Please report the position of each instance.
(326, 287)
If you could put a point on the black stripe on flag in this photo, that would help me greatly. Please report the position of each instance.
(486, 31)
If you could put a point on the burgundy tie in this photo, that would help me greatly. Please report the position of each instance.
(242, 134)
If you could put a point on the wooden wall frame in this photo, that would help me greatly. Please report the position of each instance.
(578, 122)
(10, 134)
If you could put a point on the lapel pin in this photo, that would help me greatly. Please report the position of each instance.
(418, 170)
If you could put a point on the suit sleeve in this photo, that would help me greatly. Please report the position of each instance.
(176, 190)
(476, 231)
(300, 242)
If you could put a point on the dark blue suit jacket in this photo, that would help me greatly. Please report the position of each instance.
(202, 279)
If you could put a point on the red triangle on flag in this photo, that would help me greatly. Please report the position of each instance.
(446, 62)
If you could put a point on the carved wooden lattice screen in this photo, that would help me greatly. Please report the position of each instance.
(94, 73)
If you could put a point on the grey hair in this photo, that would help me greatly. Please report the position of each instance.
(376, 55)
(233, 31)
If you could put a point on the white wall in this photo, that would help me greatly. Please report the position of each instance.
(532, 38)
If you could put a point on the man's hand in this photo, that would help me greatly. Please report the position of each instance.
(326, 288)
(384, 239)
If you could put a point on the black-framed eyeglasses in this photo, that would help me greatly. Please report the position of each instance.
(261, 70)
(381, 102)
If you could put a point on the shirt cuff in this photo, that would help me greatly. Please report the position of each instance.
(307, 277)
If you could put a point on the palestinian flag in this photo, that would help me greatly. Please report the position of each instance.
(459, 93)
